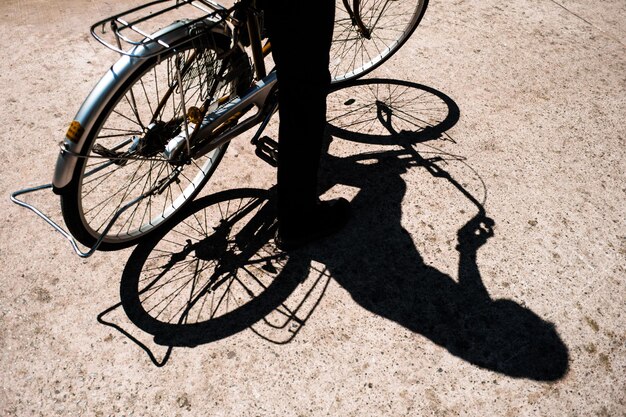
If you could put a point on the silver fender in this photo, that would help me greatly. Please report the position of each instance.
(82, 127)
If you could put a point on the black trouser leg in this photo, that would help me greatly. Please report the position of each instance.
(301, 34)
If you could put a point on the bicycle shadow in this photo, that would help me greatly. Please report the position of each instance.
(169, 291)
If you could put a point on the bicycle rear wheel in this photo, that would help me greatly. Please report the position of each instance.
(359, 48)
(123, 155)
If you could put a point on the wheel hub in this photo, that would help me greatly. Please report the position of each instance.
(157, 136)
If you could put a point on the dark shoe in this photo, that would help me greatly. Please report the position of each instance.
(327, 218)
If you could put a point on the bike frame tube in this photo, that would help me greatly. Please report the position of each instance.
(254, 31)
(257, 96)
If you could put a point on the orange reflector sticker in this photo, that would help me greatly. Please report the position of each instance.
(74, 132)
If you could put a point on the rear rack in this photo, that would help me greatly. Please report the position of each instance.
(143, 26)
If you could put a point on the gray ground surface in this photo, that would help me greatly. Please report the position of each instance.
(530, 322)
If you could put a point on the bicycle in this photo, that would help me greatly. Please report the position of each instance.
(155, 127)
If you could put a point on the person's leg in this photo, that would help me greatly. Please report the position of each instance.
(301, 35)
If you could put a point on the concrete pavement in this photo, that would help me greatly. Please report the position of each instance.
(482, 273)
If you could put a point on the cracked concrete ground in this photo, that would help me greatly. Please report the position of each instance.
(481, 274)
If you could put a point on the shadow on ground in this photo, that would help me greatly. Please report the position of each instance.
(216, 271)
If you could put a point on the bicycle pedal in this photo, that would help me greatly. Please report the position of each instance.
(267, 150)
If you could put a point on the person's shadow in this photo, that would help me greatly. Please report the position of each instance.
(376, 261)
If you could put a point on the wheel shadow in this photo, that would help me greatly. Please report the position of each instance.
(216, 270)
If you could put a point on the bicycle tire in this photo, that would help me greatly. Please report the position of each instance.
(390, 24)
(145, 112)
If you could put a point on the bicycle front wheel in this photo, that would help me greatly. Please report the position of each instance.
(124, 157)
(368, 32)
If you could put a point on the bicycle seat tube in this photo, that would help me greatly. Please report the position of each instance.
(251, 14)
(254, 31)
